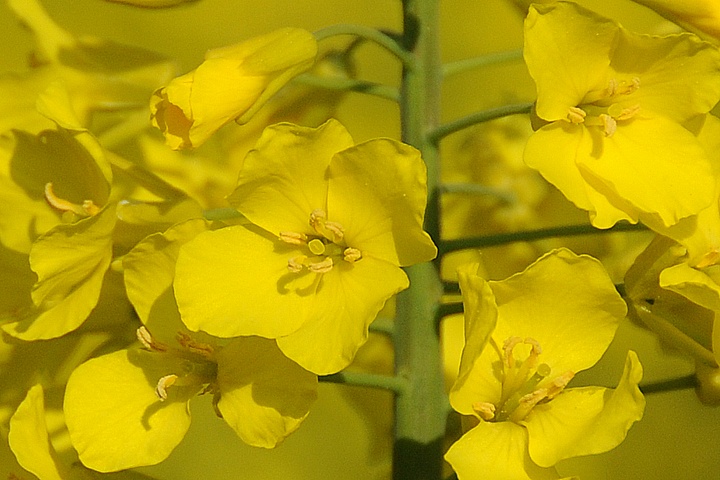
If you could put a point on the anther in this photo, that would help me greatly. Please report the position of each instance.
(352, 255)
(321, 267)
(163, 384)
(559, 384)
(147, 340)
(293, 238)
(88, 208)
(576, 115)
(609, 124)
(484, 410)
(202, 349)
(296, 264)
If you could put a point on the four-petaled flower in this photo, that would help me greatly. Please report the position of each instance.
(332, 222)
(611, 104)
(526, 337)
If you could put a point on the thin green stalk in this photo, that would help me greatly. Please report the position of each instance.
(227, 213)
(446, 129)
(383, 91)
(143, 177)
(674, 384)
(460, 66)
(447, 246)
(477, 189)
(421, 410)
(371, 380)
(383, 326)
(368, 33)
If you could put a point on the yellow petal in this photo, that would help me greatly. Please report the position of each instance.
(70, 261)
(284, 178)
(564, 59)
(28, 438)
(264, 396)
(347, 300)
(216, 270)
(655, 165)
(567, 303)
(585, 421)
(378, 192)
(114, 416)
(498, 451)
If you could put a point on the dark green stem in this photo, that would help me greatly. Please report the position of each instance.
(368, 33)
(447, 246)
(466, 64)
(371, 380)
(681, 383)
(421, 410)
(369, 88)
(443, 131)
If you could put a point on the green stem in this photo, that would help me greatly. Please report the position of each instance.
(447, 246)
(371, 380)
(369, 88)
(383, 326)
(227, 213)
(421, 410)
(368, 33)
(144, 177)
(673, 335)
(444, 130)
(477, 189)
(460, 66)
(681, 383)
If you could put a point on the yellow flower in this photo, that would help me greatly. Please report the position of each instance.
(231, 84)
(611, 104)
(695, 15)
(526, 337)
(332, 224)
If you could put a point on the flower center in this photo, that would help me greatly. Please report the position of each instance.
(600, 108)
(524, 383)
(197, 370)
(321, 250)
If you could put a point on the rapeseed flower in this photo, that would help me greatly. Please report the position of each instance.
(332, 223)
(231, 84)
(526, 337)
(610, 108)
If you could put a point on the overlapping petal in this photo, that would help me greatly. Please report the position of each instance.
(381, 203)
(586, 421)
(114, 416)
(284, 178)
(264, 396)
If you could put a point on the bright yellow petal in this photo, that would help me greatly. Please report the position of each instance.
(585, 421)
(283, 178)
(654, 164)
(71, 261)
(679, 74)
(347, 300)
(235, 281)
(264, 396)
(567, 51)
(567, 303)
(378, 192)
(476, 379)
(29, 441)
(553, 151)
(692, 284)
(149, 270)
(497, 451)
(116, 420)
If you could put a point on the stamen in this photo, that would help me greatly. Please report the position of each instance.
(333, 231)
(484, 410)
(163, 384)
(293, 238)
(321, 267)
(194, 346)
(559, 384)
(609, 124)
(88, 208)
(352, 255)
(576, 115)
(147, 340)
(296, 264)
